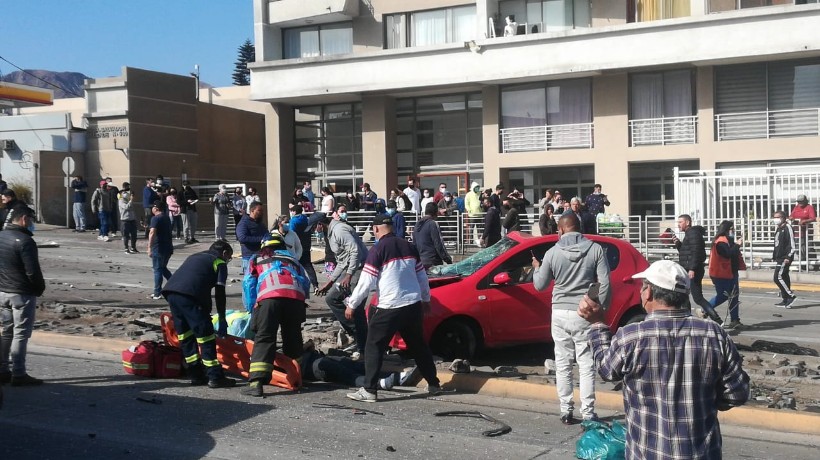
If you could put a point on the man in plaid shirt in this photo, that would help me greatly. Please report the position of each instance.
(677, 370)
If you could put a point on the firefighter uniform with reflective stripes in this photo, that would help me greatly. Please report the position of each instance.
(282, 288)
(189, 294)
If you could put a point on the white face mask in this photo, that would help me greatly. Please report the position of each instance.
(776, 221)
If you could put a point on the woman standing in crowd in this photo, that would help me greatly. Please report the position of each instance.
(172, 200)
(352, 202)
(427, 197)
(328, 201)
(547, 222)
(725, 260)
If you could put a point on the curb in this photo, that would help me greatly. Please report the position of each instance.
(751, 284)
(485, 384)
(763, 418)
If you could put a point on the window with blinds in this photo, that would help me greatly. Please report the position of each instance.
(767, 99)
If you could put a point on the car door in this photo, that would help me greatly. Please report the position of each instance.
(519, 313)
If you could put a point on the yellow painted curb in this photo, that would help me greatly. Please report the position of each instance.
(769, 419)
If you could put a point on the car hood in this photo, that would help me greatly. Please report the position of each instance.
(443, 281)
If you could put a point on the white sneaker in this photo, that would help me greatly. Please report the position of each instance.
(355, 356)
(408, 375)
(362, 395)
(155, 297)
(100, 237)
(106, 238)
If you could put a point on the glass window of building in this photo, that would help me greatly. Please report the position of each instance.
(328, 141)
(653, 10)
(543, 116)
(716, 6)
(548, 15)
(767, 99)
(652, 187)
(439, 134)
(662, 107)
(433, 27)
(321, 40)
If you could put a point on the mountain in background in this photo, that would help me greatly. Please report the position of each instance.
(68, 82)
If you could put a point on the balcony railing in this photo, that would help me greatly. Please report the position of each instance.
(771, 123)
(535, 138)
(664, 131)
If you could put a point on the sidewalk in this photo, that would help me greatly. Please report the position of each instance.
(506, 387)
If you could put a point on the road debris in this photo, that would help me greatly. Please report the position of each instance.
(355, 410)
(503, 428)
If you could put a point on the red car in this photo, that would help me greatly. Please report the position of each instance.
(488, 299)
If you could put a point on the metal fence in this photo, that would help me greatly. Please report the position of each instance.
(650, 235)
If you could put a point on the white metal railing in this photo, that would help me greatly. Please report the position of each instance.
(534, 138)
(663, 131)
(767, 124)
(650, 235)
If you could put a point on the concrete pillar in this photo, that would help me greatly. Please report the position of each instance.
(280, 159)
(705, 94)
(379, 144)
(493, 158)
(609, 103)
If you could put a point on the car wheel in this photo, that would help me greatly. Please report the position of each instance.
(454, 339)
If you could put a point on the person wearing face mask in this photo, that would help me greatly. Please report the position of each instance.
(425, 199)
(101, 205)
(222, 207)
(292, 243)
(692, 256)
(369, 198)
(399, 225)
(394, 269)
(725, 260)
(427, 238)
(307, 191)
(352, 202)
(783, 255)
(302, 227)
(114, 193)
(238, 205)
(328, 201)
(413, 194)
(128, 218)
(249, 233)
(575, 262)
(21, 282)
(350, 254)
(447, 206)
(442, 190)
(251, 197)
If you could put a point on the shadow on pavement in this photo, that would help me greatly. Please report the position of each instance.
(118, 416)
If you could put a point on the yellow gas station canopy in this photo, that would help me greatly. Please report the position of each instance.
(14, 95)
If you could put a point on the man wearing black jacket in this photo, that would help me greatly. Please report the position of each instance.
(492, 225)
(21, 282)
(783, 255)
(691, 256)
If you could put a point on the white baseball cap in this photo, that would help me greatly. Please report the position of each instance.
(667, 275)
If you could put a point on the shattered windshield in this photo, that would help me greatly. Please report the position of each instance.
(475, 262)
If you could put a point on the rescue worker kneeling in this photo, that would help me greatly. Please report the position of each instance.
(189, 294)
(281, 291)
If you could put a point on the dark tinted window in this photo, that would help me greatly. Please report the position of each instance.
(613, 255)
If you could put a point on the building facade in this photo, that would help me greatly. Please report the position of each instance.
(535, 93)
(137, 125)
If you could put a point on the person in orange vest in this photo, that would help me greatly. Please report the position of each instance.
(725, 260)
(282, 289)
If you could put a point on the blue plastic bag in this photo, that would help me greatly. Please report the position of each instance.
(601, 441)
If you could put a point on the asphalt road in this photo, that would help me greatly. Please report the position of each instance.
(89, 409)
(85, 271)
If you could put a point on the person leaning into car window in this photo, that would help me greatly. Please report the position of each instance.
(574, 263)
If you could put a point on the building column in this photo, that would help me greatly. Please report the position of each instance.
(379, 159)
(705, 94)
(611, 147)
(280, 154)
(492, 158)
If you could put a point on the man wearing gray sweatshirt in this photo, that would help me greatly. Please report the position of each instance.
(574, 263)
(350, 254)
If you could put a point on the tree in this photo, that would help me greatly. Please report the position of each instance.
(241, 74)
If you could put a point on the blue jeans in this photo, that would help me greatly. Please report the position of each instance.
(246, 260)
(727, 288)
(79, 216)
(105, 221)
(160, 265)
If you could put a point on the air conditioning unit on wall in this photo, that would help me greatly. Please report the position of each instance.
(7, 144)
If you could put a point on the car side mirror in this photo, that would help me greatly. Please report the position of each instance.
(502, 278)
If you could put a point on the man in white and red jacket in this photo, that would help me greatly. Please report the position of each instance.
(393, 266)
(282, 288)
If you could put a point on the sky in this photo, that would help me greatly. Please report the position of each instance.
(99, 37)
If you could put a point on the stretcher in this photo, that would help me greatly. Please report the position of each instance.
(234, 354)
